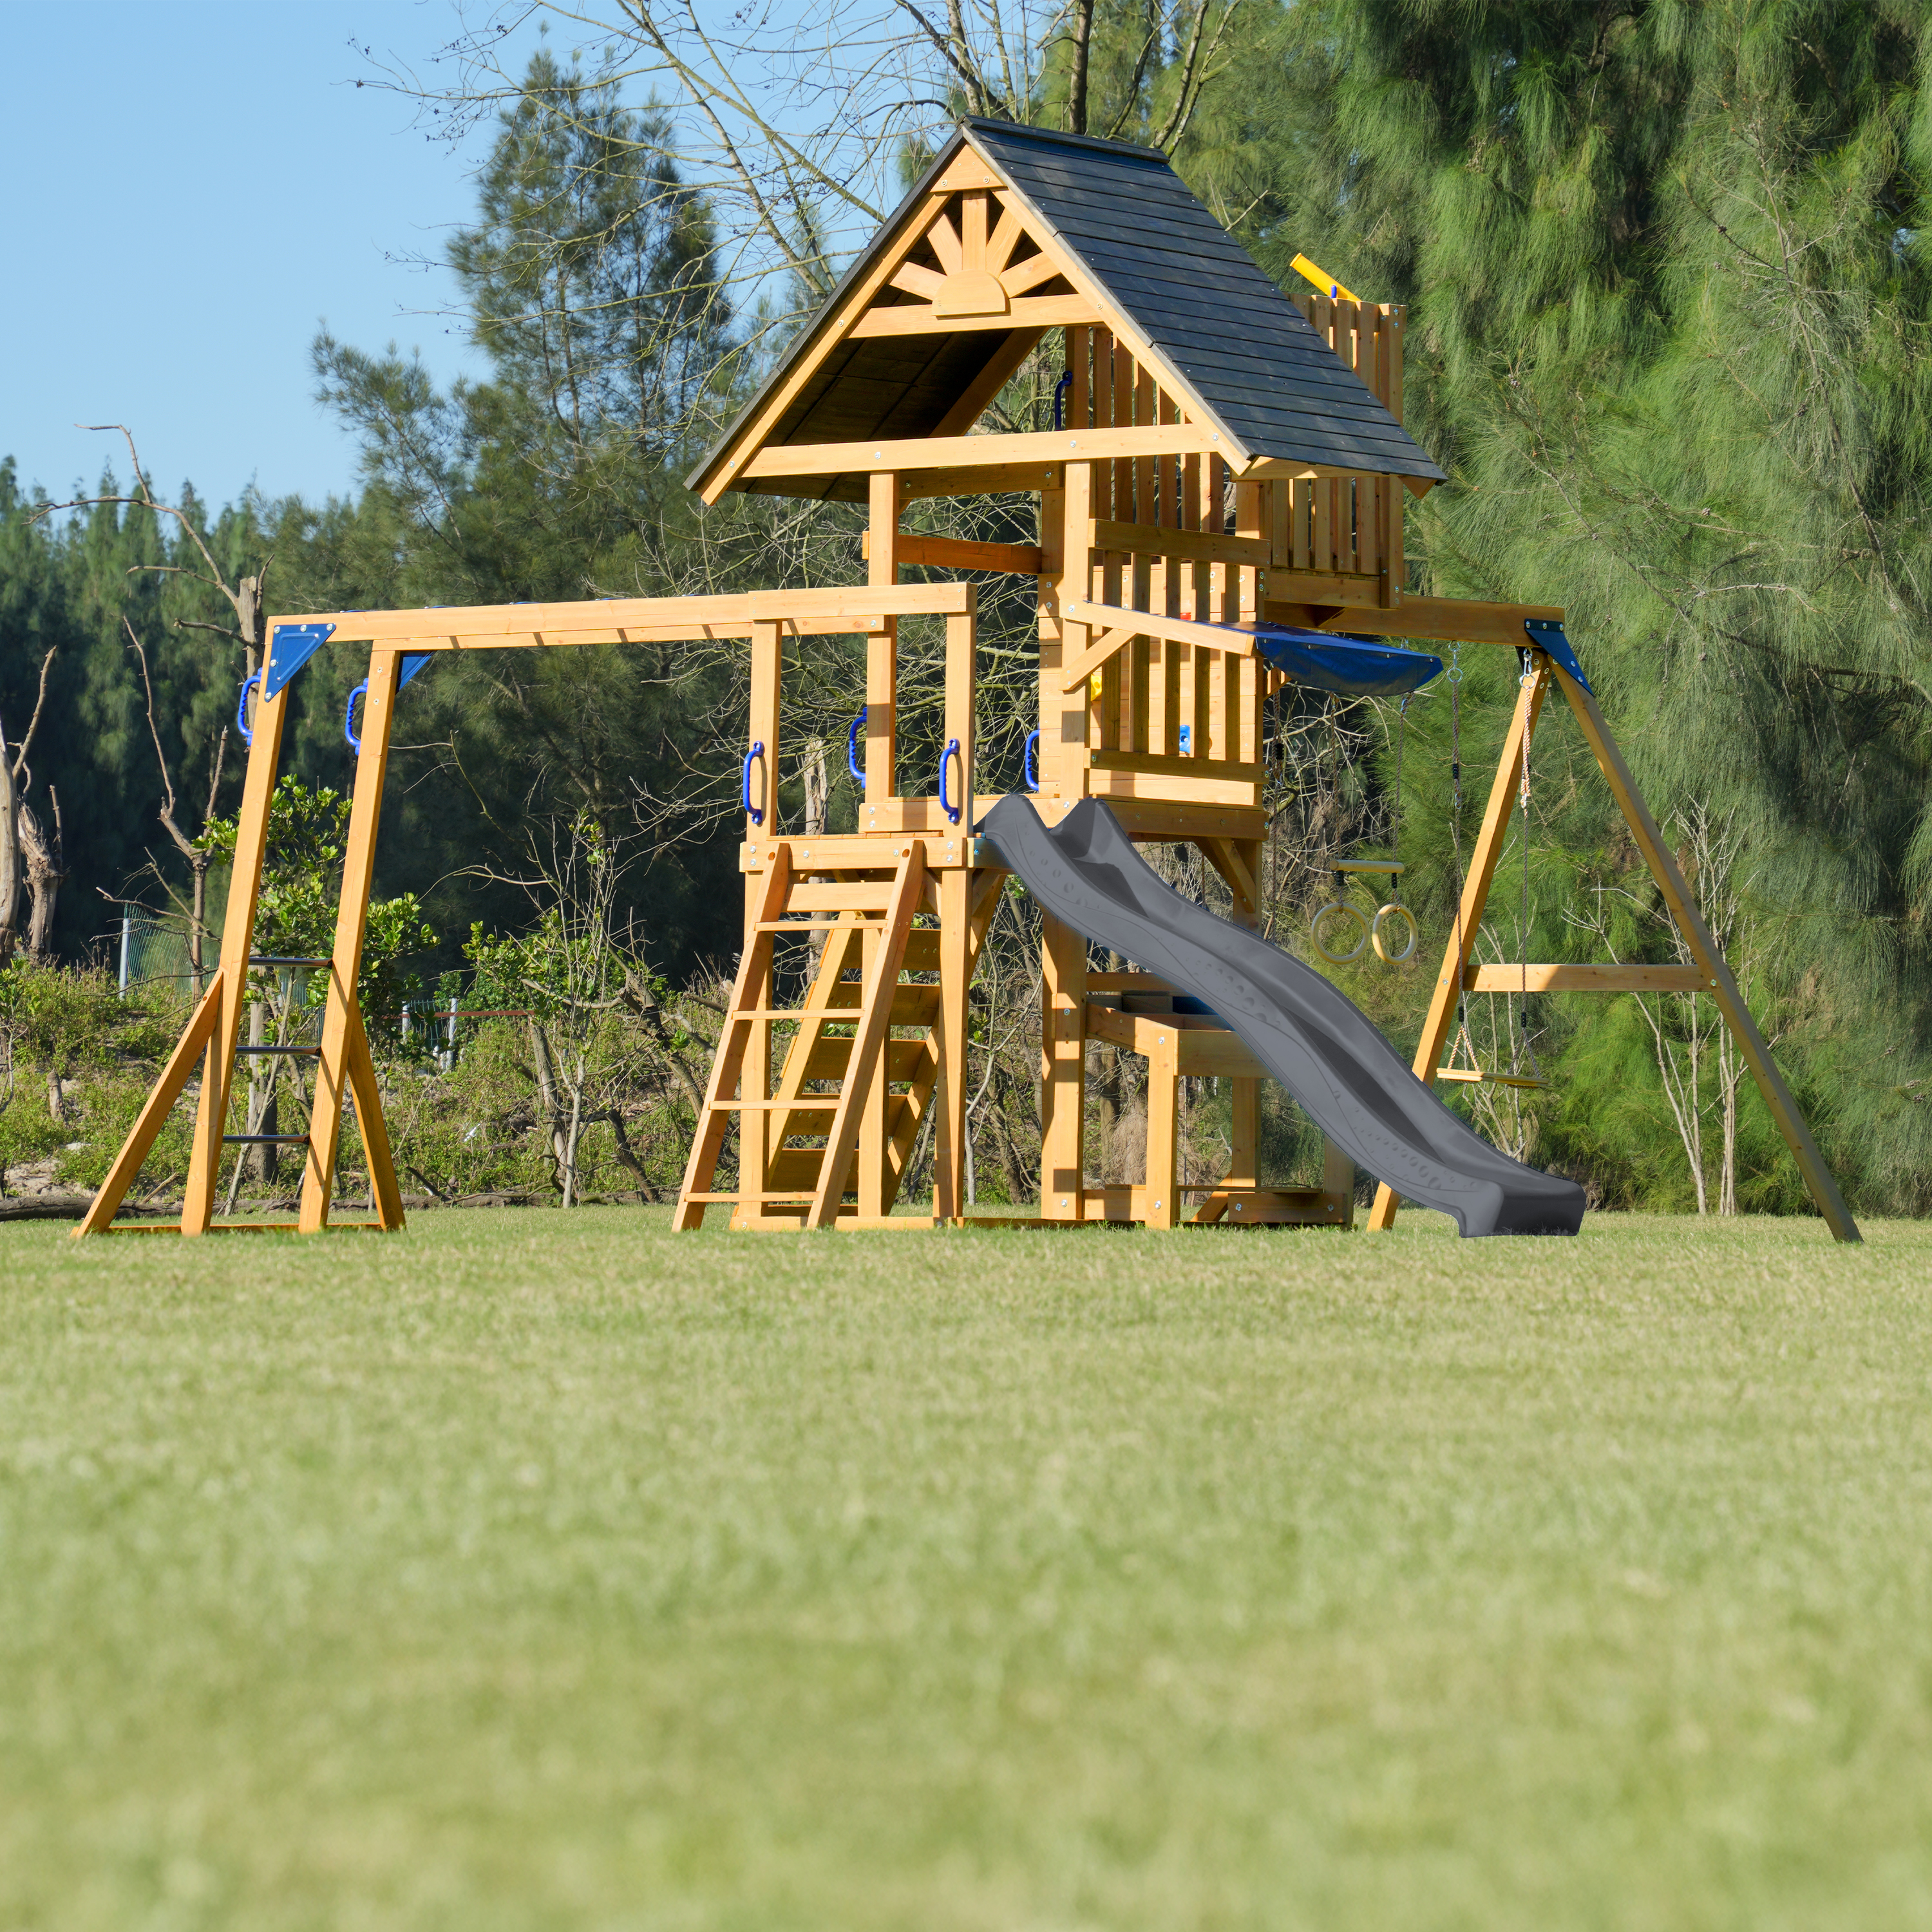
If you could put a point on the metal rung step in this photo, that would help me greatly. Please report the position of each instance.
(278, 1049)
(267, 1140)
(274, 959)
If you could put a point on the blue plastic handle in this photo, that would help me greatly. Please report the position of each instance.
(1060, 389)
(1032, 766)
(349, 718)
(946, 805)
(755, 813)
(248, 684)
(852, 744)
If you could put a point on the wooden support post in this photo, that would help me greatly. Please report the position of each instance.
(238, 937)
(755, 1129)
(1163, 1099)
(1719, 981)
(1063, 1070)
(352, 919)
(134, 1149)
(1483, 860)
(1063, 714)
(882, 647)
(955, 978)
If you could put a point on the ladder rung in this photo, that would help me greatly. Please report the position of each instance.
(274, 959)
(833, 1016)
(802, 1200)
(269, 1140)
(278, 1049)
(799, 925)
(808, 1104)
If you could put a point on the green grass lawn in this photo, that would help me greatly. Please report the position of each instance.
(531, 1570)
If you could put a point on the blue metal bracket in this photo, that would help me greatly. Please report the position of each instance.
(413, 662)
(1548, 637)
(289, 649)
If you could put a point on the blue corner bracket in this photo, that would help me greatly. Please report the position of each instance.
(289, 649)
(1548, 637)
(413, 662)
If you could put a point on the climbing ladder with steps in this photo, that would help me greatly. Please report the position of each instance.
(827, 1131)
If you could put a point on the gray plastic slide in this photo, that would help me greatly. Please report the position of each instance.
(1317, 1043)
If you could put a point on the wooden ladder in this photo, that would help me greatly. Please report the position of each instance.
(868, 934)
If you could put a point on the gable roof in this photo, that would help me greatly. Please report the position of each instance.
(1234, 352)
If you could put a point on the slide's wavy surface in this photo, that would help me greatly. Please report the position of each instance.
(1315, 1041)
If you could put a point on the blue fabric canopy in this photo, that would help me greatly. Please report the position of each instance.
(1344, 664)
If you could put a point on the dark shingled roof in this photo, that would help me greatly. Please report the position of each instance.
(1251, 356)
(1238, 351)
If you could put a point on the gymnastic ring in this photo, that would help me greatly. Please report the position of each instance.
(1348, 912)
(1408, 918)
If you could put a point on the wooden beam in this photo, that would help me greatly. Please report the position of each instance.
(491, 624)
(1586, 978)
(971, 452)
(1446, 993)
(351, 920)
(957, 553)
(1198, 546)
(1454, 620)
(923, 319)
(1154, 624)
(1710, 961)
(154, 1111)
(1002, 479)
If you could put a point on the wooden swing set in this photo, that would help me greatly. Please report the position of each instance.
(1222, 458)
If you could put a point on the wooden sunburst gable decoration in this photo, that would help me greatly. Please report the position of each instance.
(974, 262)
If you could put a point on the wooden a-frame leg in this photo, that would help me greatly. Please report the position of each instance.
(1720, 984)
(188, 1049)
(238, 935)
(352, 919)
(1483, 858)
(368, 1098)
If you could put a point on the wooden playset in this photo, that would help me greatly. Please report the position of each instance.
(1223, 458)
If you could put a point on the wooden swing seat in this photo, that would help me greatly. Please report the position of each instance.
(1468, 1075)
(1392, 868)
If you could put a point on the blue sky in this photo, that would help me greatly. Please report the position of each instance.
(194, 188)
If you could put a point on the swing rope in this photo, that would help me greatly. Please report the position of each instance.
(1462, 1044)
(1521, 1049)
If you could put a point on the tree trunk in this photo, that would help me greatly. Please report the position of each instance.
(11, 867)
(548, 1098)
(45, 872)
(1076, 77)
(198, 863)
